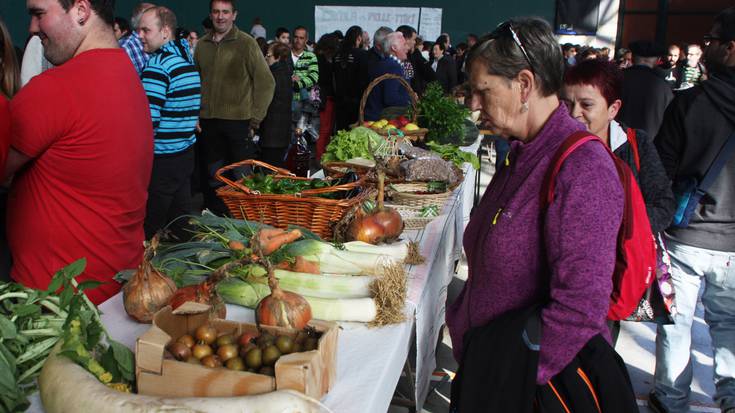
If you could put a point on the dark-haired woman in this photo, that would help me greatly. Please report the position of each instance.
(552, 263)
(275, 130)
(325, 50)
(350, 72)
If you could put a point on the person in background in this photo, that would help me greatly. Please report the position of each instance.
(173, 87)
(122, 28)
(444, 66)
(326, 49)
(520, 254)
(131, 43)
(365, 40)
(237, 88)
(275, 130)
(258, 30)
(570, 53)
(450, 49)
(207, 25)
(459, 62)
(669, 67)
(9, 86)
(625, 59)
(645, 93)
(283, 36)
(426, 52)
(444, 40)
(350, 78)
(696, 126)
(605, 54)
(89, 201)
(691, 72)
(305, 64)
(587, 53)
(471, 40)
(422, 72)
(262, 44)
(192, 38)
(592, 91)
(389, 93)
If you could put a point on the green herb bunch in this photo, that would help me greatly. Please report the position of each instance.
(441, 115)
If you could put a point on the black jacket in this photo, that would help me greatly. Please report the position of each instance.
(275, 130)
(423, 74)
(326, 77)
(498, 372)
(350, 80)
(696, 126)
(446, 73)
(645, 96)
(652, 179)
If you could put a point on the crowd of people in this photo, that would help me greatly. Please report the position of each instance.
(109, 126)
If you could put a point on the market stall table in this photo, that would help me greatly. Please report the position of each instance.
(370, 360)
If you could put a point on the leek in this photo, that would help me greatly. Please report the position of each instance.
(335, 261)
(362, 310)
(398, 251)
(324, 286)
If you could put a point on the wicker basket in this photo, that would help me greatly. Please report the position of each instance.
(412, 216)
(405, 194)
(415, 135)
(305, 209)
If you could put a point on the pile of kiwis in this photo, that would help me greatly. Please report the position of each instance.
(252, 352)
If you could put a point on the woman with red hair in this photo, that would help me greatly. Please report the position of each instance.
(592, 93)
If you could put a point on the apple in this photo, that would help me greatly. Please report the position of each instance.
(402, 121)
(395, 122)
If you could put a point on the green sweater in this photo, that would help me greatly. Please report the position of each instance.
(307, 69)
(236, 81)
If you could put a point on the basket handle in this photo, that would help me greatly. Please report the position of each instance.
(247, 162)
(414, 97)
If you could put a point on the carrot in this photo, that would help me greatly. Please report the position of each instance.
(300, 265)
(275, 242)
(268, 233)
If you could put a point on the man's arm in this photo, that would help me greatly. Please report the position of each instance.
(15, 161)
(263, 83)
(310, 76)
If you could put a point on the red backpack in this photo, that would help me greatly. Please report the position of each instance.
(635, 261)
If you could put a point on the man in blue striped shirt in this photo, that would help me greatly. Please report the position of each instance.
(173, 87)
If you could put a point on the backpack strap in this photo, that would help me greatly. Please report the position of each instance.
(571, 143)
(633, 140)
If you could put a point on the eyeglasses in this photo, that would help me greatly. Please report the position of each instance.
(505, 28)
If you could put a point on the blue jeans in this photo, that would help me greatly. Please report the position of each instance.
(673, 375)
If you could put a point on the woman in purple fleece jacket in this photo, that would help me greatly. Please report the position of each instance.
(518, 255)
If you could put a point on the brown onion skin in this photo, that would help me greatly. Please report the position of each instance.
(391, 222)
(364, 228)
(283, 309)
(147, 292)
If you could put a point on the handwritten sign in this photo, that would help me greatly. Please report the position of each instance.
(327, 19)
(430, 24)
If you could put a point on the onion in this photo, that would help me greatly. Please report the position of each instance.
(149, 290)
(382, 224)
(282, 308)
(180, 351)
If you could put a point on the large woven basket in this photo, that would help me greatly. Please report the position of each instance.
(406, 194)
(305, 209)
(416, 135)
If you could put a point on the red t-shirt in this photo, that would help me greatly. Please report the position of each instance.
(87, 127)
(4, 133)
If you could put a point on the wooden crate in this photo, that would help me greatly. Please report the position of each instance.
(312, 372)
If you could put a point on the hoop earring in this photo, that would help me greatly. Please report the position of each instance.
(81, 22)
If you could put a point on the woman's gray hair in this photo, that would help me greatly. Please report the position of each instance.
(503, 57)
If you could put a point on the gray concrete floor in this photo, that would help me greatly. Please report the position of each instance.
(636, 345)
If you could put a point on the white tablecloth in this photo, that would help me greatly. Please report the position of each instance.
(370, 361)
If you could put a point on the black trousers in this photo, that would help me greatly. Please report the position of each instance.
(223, 142)
(274, 156)
(169, 193)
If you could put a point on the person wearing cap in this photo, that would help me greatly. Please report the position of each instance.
(645, 93)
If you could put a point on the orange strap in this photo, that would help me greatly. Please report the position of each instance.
(564, 405)
(589, 386)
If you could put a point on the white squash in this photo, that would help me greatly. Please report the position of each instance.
(67, 387)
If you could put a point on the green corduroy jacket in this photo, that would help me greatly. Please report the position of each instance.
(236, 81)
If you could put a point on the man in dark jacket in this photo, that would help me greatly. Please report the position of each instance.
(422, 73)
(275, 130)
(389, 92)
(645, 93)
(696, 125)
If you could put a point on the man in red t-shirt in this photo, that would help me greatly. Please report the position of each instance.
(82, 134)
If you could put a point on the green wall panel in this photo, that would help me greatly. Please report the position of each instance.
(460, 17)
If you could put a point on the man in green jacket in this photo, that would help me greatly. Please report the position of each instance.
(237, 88)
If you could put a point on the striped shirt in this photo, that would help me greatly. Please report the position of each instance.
(173, 87)
(134, 48)
(306, 67)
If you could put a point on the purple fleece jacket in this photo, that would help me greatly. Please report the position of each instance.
(518, 258)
